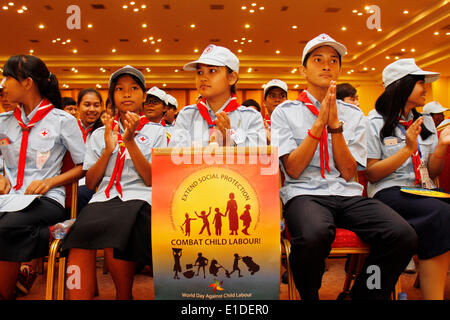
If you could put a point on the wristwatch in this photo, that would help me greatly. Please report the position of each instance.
(339, 129)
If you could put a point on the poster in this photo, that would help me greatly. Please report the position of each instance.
(216, 223)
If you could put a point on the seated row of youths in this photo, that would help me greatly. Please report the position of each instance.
(321, 141)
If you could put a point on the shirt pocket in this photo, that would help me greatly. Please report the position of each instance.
(390, 150)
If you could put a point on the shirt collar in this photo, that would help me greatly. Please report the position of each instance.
(221, 109)
(26, 119)
(315, 102)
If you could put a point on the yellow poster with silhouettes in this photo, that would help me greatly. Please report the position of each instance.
(216, 223)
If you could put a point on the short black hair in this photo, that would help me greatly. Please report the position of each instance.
(252, 103)
(344, 90)
(68, 101)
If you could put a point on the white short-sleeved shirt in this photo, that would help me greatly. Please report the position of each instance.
(404, 176)
(82, 181)
(48, 142)
(192, 130)
(291, 121)
(152, 135)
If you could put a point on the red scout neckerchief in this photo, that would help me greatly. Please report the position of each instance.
(230, 107)
(43, 109)
(85, 132)
(324, 157)
(120, 160)
(163, 123)
(415, 157)
(267, 119)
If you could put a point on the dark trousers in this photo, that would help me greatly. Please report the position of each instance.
(312, 222)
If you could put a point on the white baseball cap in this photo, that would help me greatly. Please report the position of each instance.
(433, 107)
(131, 71)
(161, 94)
(215, 56)
(275, 83)
(401, 68)
(171, 99)
(323, 40)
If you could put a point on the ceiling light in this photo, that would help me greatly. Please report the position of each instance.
(143, 6)
(436, 33)
(261, 8)
(244, 8)
(145, 40)
(373, 69)
(405, 12)
(277, 52)
(41, 26)
(379, 29)
(294, 27)
(89, 25)
(132, 3)
(192, 26)
(355, 11)
(387, 57)
(176, 70)
(344, 28)
(396, 58)
(240, 50)
(251, 10)
(125, 6)
(359, 43)
(11, 3)
(113, 50)
(403, 50)
(247, 26)
(413, 50)
(31, 51)
(75, 50)
(157, 50)
(253, 4)
(144, 25)
(195, 50)
(249, 70)
(164, 85)
(5, 7)
(135, 9)
(360, 13)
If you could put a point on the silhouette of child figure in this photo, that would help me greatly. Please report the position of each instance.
(204, 217)
(246, 219)
(218, 221)
(236, 265)
(201, 262)
(177, 265)
(187, 223)
(214, 267)
(233, 215)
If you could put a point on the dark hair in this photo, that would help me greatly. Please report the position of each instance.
(98, 123)
(309, 53)
(112, 88)
(67, 101)
(233, 87)
(252, 103)
(344, 90)
(21, 67)
(391, 103)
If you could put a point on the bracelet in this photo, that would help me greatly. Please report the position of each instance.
(313, 136)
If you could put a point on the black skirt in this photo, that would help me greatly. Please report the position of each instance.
(430, 218)
(24, 235)
(124, 226)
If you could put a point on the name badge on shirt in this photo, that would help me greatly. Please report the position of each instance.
(390, 141)
(426, 181)
(41, 158)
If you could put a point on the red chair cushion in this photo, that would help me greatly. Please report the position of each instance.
(362, 179)
(347, 239)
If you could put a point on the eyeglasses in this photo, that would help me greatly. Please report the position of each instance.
(152, 100)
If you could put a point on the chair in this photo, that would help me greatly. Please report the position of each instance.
(71, 202)
(346, 243)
